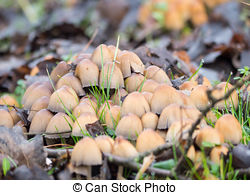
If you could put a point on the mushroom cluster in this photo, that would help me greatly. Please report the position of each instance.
(138, 104)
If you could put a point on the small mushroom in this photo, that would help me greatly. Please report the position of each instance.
(14, 114)
(111, 76)
(133, 82)
(113, 116)
(59, 126)
(34, 94)
(8, 100)
(201, 80)
(70, 80)
(163, 96)
(149, 120)
(82, 108)
(40, 121)
(105, 143)
(125, 149)
(85, 154)
(135, 103)
(130, 126)
(79, 127)
(215, 154)
(170, 114)
(220, 91)
(148, 96)
(63, 98)
(188, 85)
(6, 119)
(29, 89)
(39, 104)
(129, 63)
(179, 130)
(88, 73)
(230, 128)
(209, 135)
(101, 56)
(61, 69)
(199, 97)
(112, 50)
(148, 140)
(157, 74)
(148, 86)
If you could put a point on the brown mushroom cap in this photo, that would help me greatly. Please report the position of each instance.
(220, 91)
(179, 130)
(201, 80)
(101, 55)
(163, 96)
(83, 108)
(170, 114)
(216, 152)
(111, 75)
(230, 128)
(149, 120)
(135, 103)
(88, 73)
(61, 69)
(6, 119)
(81, 56)
(199, 97)
(89, 99)
(39, 104)
(59, 123)
(148, 96)
(70, 80)
(129, 63)
(148, 140)
(8, 100)
(210, 135)
(35, 94)
(62, 98)
(118, 96)
(79, 127)
(157, 74)
(104, 109)
(149, 86)
(123, 148)
(130, 126)
(188, 85)
(86, 153)
(113, 116)
(133, 82)
(105, 143)
(29, 89)
(112, 50)
(40, 121)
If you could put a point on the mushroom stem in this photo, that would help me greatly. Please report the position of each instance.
(89, 173)
(120, 173)
(146, 163)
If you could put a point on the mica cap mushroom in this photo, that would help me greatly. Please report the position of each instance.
(88, 73)
(230, 128)
(148, 140)
(61, 69)
(70, 80)
(86, 153)
(40, 121)
(130, 126)
(61, 124)
(63, 98)
(135, 103)
(157, 74)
